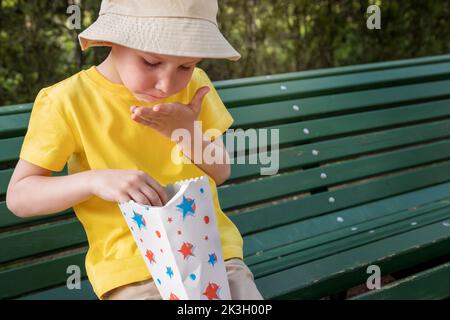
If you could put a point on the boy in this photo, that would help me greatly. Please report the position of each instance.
(112, 125)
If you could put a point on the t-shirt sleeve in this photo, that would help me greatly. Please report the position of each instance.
(213, 114)
(49, 141)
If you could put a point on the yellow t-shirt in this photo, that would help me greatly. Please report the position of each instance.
(85, 121)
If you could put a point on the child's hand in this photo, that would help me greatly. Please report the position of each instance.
(125, 185)
(166, 117)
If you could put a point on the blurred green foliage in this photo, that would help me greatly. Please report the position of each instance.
(38, 49)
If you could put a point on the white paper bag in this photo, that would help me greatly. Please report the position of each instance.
(180, 242)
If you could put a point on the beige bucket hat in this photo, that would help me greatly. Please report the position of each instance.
(173, 27)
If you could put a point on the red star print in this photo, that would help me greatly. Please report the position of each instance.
(169, 219)
(179, 231)
(158, 234)
(150, 256)
(206, 237)
(211, 291)
(206, 218)
(173, 296)
(186, 250)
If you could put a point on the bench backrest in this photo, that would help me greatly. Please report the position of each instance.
(347, 136)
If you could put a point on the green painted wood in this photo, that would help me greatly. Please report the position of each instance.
(10, 148)
(8, 219)
(298, 156)
(308, 74)
(255, 269)
(41, 239)
(256, 80)
(369, 230)
(266, 292)
(14, 124)
(433, 75)
(245, 95)
(16, 108)
(55, 236)
(306, 229)
(356, 123)
(287, 212)
(258, 243)
(41, 274)
(430, 284)
(62, 293)
(283, 111)
(302, 155)
(338, 172)
(348, 268)
(33, 272)
(344, 240)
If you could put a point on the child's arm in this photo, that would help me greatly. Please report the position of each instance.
(32, 190)
(220, 171)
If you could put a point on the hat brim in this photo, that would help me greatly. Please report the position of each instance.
(186, 37)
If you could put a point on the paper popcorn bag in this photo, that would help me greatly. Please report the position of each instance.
(180, 242)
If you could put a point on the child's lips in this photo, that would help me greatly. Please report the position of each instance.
(149, 97)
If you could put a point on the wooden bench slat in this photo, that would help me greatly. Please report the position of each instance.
(380, 225)
(246, 116)
(52, 266)
(433, 196)
(302, 155)
(39, 275)
(430, 284)
(8, 219)
(376, 118)
(86, 289)
(254, 268)
(324, 72)
(245, 95)
(21, 243)
(336, 173)
(381, 135)
(62, 293)
(297, 75)
(289, 157)
(282, 111)
(343, 240)
(14, 124)
(41, 239)
(355, 123)
(303, 229)
(10, 148)
(269, 216)
(344, 271)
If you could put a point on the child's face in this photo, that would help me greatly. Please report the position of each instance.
(168, 76)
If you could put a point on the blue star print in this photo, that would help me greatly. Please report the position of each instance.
(139, 219)
(212, 259)
(169, 272)
(186, 207)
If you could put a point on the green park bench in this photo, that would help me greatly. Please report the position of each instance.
(363, 179)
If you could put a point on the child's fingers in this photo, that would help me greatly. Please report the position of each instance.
(152, 195)
(139, 197)
(142, 120)
(158, 188)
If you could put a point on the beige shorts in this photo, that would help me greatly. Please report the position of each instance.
(240, 279)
